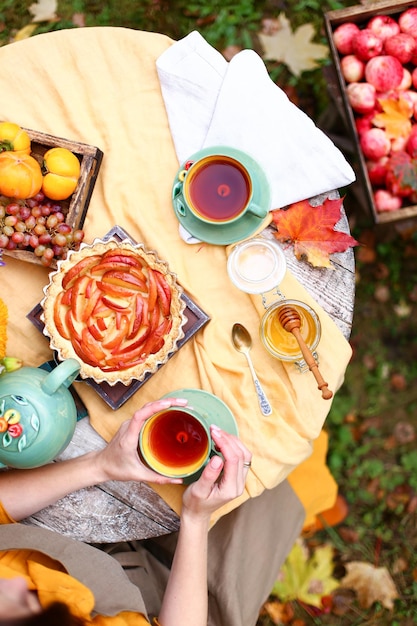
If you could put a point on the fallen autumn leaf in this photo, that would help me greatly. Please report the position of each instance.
(372, 584)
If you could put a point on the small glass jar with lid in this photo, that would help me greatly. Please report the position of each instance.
(258, 266)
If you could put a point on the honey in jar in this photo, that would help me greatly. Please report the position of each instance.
(281, 343)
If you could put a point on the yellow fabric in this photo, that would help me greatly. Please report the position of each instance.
(100, 86)
(53, 584)
(3, 329)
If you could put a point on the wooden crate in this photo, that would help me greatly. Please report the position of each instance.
(360, 15)
(75, 207)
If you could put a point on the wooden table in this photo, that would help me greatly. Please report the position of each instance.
(126, 511)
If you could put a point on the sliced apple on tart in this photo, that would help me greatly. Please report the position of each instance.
(116, 308)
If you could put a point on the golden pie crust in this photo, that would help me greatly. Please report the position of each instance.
(115, 308)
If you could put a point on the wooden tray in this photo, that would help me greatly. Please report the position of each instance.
(75, 207)
(115, 396)
(360, 15)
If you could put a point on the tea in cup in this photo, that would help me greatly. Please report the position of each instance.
(217, 189)
(175, 442)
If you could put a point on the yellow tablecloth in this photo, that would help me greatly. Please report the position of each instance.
(99, 86)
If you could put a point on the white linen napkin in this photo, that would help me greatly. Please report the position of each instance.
(211, 102)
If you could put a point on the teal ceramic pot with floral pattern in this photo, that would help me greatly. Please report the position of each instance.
(37, 414)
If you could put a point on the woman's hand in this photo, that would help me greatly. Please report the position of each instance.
(185, 600)
(221, 481)
(120, 460)
(23, 492)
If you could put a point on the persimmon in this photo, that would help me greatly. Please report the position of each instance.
(14, 138)
(62, 171)
(20, 175)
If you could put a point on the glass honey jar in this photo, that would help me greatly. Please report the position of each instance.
(281, 343)
(257, 266)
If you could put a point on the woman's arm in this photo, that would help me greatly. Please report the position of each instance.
(24, 492)
(185, 600)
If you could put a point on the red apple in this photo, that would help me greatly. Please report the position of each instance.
(386, 201)
(383, 26)
(406, 82)
(352, 68)
(366, 44)
(408, 21)
(414, 78)
(401, 46)
(384, 72)
(411, 96)
(398, 144)
(411, 145)
(364, 122)
(362, 97)
(375, 144)
(377, 171)
(343, 35)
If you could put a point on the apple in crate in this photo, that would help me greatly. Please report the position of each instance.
(384, 72)
(406, 82)
(384, 26)
(364, 122)
(353, 69)
(377, 171)
(343, 36)
(386, 201)
(366, 44)
(375, 143)
(362, 97)
(411, 145)
(401, 46)
(408, 21)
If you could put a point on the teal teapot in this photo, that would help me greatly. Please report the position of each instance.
(37, 414)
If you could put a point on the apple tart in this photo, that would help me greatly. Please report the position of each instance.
(116, 308)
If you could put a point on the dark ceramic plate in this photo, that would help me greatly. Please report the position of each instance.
(115, 396)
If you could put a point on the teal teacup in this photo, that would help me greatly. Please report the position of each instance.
(216, 189)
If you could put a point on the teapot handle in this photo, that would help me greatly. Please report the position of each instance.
(64, 374)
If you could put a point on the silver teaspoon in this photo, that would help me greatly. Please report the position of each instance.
(242, 341)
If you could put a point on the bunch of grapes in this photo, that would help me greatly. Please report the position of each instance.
(37, 225)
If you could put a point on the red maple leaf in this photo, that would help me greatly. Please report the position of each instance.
(401, 177)
(311, 230)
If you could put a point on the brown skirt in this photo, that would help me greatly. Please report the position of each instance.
(246, 550)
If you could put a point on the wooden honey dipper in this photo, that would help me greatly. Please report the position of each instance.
(290, 320)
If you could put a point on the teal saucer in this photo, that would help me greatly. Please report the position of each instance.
(224, 234)
(212, 409)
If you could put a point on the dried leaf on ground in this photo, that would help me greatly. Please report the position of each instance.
(279, 612)
(44, 10)
(395, 118)
(25, 32)
(402, 309)
(312, 231)
(294, 48)
(372, 584)
(306, 578)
